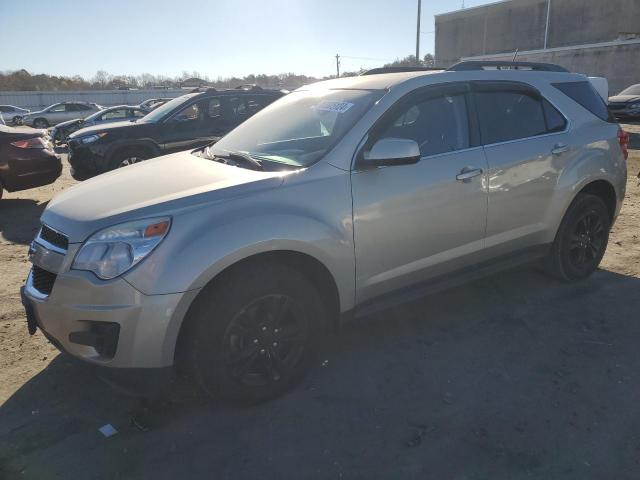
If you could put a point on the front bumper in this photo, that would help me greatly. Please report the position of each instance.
(80, 309)
(82, 160)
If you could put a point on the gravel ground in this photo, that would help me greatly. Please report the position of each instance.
(515, 376)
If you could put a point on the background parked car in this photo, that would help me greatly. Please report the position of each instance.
(11, 113)
(153, 103)
(186, 122)
(59, 112)
(119, 113)
(627, 103)
(27, 159)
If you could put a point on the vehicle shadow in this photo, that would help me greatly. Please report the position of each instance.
(20, 219)
(512, 376)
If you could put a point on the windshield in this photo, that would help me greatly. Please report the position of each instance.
(632, 90)
(299, 128)
(160, 112)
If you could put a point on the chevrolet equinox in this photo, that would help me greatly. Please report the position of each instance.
(343, 197)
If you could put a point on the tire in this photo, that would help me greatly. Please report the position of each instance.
(581, 240)
(17, 120)
(40, 123)
(128, 156)
(253, 333)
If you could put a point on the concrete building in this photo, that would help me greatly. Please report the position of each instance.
(594, 37)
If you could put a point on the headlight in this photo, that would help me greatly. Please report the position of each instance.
(634, 105)
(114, 250)
(92, 138)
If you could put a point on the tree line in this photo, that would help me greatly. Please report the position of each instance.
(22, 80)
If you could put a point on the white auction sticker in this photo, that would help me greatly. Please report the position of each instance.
(338, 107)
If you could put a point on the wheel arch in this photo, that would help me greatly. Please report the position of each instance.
(147, 146)
(310, 266)
(605, 191)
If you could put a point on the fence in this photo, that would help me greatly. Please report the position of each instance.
(39, 100)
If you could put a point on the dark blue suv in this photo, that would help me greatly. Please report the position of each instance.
(190, 121)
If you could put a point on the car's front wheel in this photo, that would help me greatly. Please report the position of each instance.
(252, 334)
(129, 156)
(581, 240)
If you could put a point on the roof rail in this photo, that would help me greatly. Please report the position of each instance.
(504, 65)
(379, 70)
(248, 86)
(203, 89)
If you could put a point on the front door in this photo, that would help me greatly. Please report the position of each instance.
(194, 126)
(414, 222)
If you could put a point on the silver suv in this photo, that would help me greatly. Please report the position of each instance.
(58, 112)
(341, 198)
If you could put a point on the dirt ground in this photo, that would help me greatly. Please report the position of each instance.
(515, 376)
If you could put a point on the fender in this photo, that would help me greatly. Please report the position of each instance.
(311, 217)
(146, 143)
(600, 160)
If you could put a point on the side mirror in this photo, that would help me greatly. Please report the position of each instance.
(392, 151)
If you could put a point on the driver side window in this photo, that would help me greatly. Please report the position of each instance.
(191, 112)
(438, 124)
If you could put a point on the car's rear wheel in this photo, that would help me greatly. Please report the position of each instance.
(40, 123)
(17, 120)
(129, 156)
(253, 333)
(581, 240)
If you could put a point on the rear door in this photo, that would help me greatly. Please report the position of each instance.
(526, 144)
(414, 222)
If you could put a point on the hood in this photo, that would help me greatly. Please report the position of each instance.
(68, 122)
(36, 112)
(624, 99)
(103, 128)
(162, 186)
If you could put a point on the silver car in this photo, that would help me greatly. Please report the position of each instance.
(340, 199)
(58, 112)
(119, 113)
(12, 114)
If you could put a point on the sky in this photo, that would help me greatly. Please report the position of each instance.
(218, 38)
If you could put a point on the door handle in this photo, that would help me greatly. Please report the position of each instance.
(559, 148)
(468, 173)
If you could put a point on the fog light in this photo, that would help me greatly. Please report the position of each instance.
(103, 336)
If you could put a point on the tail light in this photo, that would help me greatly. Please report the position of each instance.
(36, 142)
(623, 138)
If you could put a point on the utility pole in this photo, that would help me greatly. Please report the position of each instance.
(418, 35)
(337, 65)
(546, 28)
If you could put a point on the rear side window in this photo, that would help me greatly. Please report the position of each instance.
(509, 115)
(512, 111)
(584, 94)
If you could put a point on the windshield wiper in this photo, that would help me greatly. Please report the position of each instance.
(241, 157)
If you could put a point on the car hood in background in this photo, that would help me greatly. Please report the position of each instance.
(68, 122)
(90, 130)
(624, 98)
(161, 186)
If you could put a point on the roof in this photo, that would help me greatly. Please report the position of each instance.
(368, 82)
